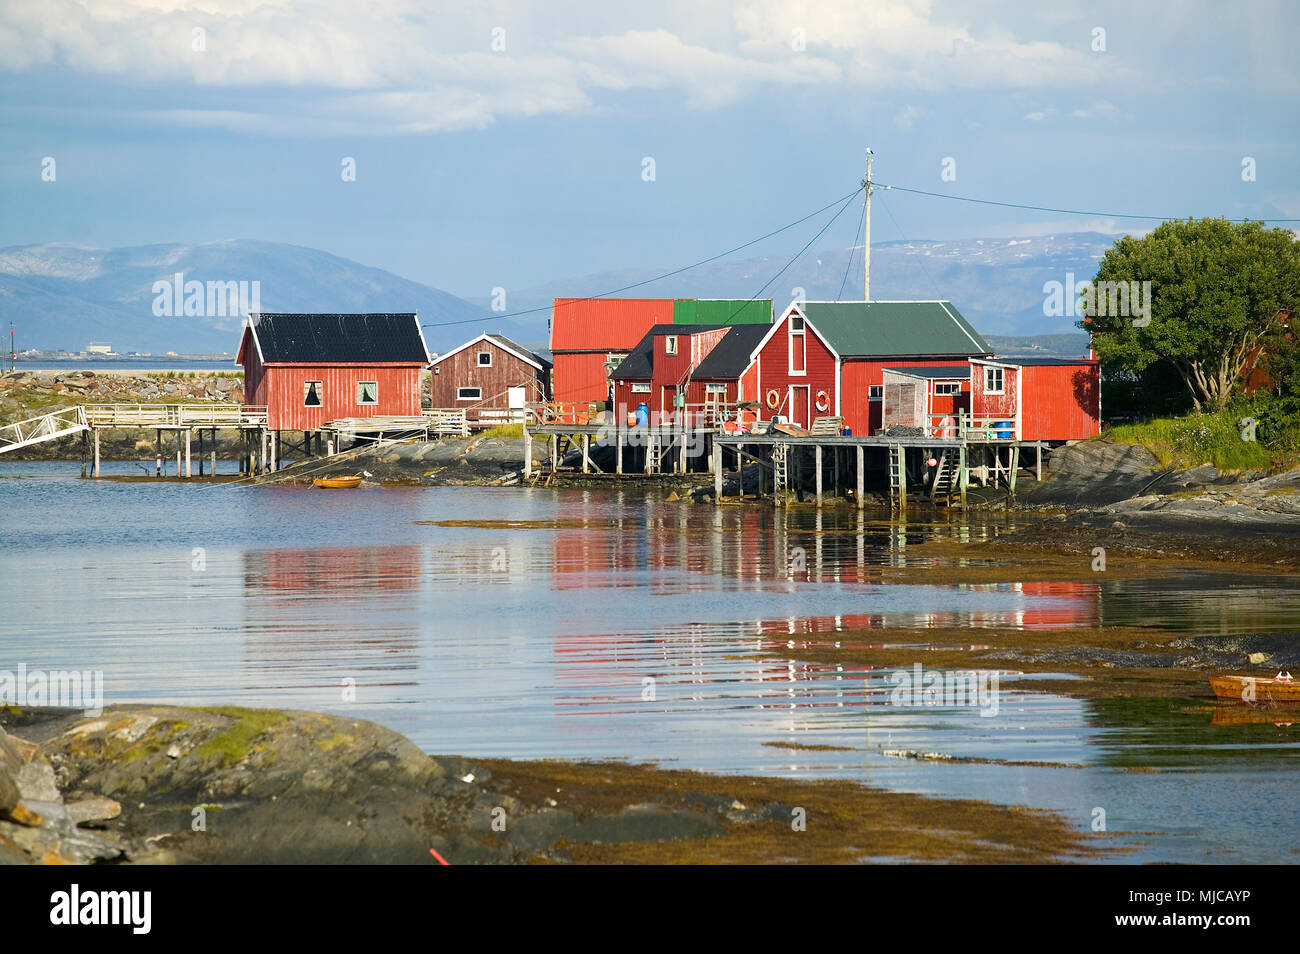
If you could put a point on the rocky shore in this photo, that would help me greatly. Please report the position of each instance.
(175, 785)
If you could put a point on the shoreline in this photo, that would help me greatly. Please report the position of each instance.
(286, 787)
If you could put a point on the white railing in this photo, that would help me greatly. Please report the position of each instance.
(175, 415)
(47, 427)
(972, 427)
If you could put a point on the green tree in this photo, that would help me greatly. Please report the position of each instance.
(1216, 288)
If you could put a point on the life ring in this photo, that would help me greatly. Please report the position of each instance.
(773, 399)
(823, 402)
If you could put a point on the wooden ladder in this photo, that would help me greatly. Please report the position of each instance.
(897, 476)
(780, 468)
(945, 476)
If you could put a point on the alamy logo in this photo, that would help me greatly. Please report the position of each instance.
(74, 906)
(64, 688)
(917, 687)
(195, 299)
(1102, 299)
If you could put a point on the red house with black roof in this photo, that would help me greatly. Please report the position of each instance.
(696, 365)
(309, 369)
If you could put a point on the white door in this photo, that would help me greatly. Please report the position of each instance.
(516, 398)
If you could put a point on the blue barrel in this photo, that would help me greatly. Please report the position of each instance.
(1004, 429)
(848, 432)
(642, 415)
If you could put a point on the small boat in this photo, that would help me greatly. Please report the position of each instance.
(1281, 688)
(338, 483)
(1254, 715)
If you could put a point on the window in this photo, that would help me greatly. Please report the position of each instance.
(367, 392)
(876, 392)
(715, 389)
(613, 360)
(640, 387)
(670, 344)
(947, 387)
(992, 380)
(311, 393)
(485, 359)
(469, 394)
(796, 337)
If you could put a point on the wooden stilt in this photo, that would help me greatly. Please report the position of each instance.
(717, 473)
(528, 452)
(96, 470)
(619, 433)
(158, 451)
(555, 452)
(586, 453)
(817, 463)
(862, 477)
(188, 472)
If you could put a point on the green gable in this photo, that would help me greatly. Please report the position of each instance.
(894, 328)
(722, 311)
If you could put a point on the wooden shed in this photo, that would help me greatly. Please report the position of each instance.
(309, 369)
(930, 397)
(491, 378)
(1044, 399)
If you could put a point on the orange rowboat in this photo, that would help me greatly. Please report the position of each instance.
(338, 483)
(1255, 689)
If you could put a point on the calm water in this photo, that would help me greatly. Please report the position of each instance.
(572, 624)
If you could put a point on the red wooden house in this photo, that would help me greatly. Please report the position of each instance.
(311, 369)
(829, 358)
(491, 377)
(696, 365)
(590, 336)
(1038, 399)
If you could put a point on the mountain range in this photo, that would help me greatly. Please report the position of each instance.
(62, 297)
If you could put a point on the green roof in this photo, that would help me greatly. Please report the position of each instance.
(894, 328)
(722, 311)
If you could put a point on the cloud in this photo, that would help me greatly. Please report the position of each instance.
(401, 67)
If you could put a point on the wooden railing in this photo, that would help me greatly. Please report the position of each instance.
(966, 426)
(175, 415)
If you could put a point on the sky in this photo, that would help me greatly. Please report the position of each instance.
(505, 144)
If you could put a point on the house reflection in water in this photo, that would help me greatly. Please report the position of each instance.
(676, 550)
(321, 617)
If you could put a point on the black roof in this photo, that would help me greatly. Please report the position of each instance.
(339, 339)
(520, 349)
(638, 365)
(935, 371)
(730, 356)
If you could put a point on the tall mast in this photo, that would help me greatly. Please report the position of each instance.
(866, 233)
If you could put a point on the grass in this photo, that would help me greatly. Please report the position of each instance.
(505, 431)
(1194, 440)
(233, 744)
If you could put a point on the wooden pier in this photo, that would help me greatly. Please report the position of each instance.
(938, 464)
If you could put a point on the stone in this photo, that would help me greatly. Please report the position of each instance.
(36, 782)
(93, 809)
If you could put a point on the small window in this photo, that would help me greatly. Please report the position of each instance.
(311, 393)
(876, 392)
(670, 344)
(367, 392)
(485, 359)
(992, 380)
(715, 389)
(469, 394)
(796, 324)
(640, 387)
(947, 387)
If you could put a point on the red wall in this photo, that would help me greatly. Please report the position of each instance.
(280, 388)
(1001, 406)
(1061, 402)
(859, 374)
(773, 373)
(580, 377)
